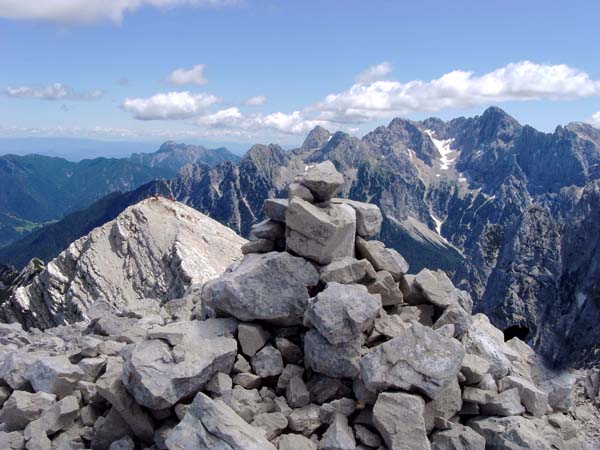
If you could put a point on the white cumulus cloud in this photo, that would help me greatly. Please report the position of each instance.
(366, 101)
(374, 73)
(171, 105)
(55, 91)
(257, 100)
(596, 120)
(524, 80)
(232, 119)
(79, 12)
(195, 75)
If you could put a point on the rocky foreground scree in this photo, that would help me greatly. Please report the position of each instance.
(318, 339)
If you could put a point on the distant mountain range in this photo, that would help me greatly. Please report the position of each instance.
(36, 189)
(510, 212)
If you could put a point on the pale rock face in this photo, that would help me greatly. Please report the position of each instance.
(160, 373)
(368, 217)
(484, 340)
(342, 312)
(211, 424)
(271, 287)
(323, 180)
(382, 258)
(154, 249)
(320, 233)
(399, 419)
(340, 361)
(420, 359)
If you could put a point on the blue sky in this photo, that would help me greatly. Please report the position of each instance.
(87, 68)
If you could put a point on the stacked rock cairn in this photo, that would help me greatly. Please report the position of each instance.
(318, 339)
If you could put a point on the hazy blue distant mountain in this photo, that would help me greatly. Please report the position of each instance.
(510, 212)
(37, 189)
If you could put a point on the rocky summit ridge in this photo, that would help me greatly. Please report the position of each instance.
(157, 248)
(318, 339)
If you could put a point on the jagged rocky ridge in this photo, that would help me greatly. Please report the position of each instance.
(495, 204)
(157, 248)
(318, 339)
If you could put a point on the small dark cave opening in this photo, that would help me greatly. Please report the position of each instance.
(519, 331)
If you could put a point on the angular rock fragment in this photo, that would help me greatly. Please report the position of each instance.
(110, 386)
(23, 407)
(323, 180)
(457, 438)
(320, 234)
(341, 361)
(258, 246)
(295, 442)
(304, 420)
(347, 270)
(297, 393)
(420, 359)
(211, 424)
(399, 419)
(382, 258)
(457, 316)
(267, 362)
(367, 437)
(298, 190)
(484, 340)
(13, 440)
(342, 312)
(474, 368)
(534, 399)
(53, 374)
(276, 208)
(158, 379)
(252, 338)
(446, 405)
(271, 287)
(507, 403)
(268, 229)
(338, 436)
(271, 423)
(385, 285)
(368, 217)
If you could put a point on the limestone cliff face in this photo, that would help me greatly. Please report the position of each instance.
(154, 249)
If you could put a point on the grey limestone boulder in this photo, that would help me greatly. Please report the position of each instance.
(336, 361)
(323, 180)
(419, 360)
(160, 371)
(320, 233)
(382, 258)
(399, 419)
(368, 217)
(342, 312)
(272, 287)
(347, 270)
(211, 424)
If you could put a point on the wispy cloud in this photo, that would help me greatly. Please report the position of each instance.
(55, 91)
(172, 105)
(596, 120)
(195, 75)
(257, 100)
(80, 12)
(374, 73)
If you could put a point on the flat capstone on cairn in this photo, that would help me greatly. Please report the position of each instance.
(318, 339)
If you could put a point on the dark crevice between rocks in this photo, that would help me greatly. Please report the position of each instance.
(519, 331)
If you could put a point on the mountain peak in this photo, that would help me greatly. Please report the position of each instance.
(166, 245)
(317, 138)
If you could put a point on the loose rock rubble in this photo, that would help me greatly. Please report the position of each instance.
(318, 339)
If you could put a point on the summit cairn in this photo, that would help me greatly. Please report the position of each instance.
(318, 339)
